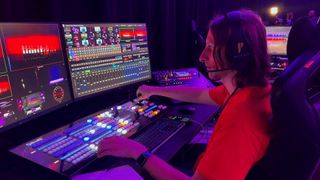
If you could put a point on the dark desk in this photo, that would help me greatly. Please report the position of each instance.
(13, 167)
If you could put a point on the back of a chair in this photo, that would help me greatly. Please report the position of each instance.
(295, 147)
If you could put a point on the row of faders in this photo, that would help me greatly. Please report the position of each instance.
(148, 109)
(77, 143)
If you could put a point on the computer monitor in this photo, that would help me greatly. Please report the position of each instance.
(33, 77)
(106, 56)
(277, 39)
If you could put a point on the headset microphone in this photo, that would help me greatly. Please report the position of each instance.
(219, 70)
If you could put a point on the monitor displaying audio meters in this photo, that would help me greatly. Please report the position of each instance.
(106, 56)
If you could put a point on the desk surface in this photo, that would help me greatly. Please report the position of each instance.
(14, 167)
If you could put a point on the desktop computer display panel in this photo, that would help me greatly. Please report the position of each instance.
(106, 56)
(33, 75)
(277, 39)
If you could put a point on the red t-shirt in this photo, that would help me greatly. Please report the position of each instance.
(241, 135)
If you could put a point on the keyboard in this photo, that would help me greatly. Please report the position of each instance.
(159, 133)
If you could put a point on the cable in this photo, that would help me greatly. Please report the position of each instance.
(191, 145)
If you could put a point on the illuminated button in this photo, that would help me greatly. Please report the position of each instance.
(109, 115)
(134, 107)
(119, 107)
(155, 112)
(124, 132)
(89, 121)
(140, 110)
(126, 122)
(103, 125)
(119, 130)
(86, 139)
(92, 131)
(109, 127)
(121, 120)
(99, 124)
(93, 147)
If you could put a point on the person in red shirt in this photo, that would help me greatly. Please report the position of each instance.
(235, 54)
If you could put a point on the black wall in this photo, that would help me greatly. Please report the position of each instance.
(168, 20)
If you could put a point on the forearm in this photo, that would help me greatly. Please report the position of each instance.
(184, 93)
(159, 169)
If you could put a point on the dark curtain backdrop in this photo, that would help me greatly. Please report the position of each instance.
(170, 37)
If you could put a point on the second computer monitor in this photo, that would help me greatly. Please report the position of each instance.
(277, 39)
(33, 77)
(106, 56)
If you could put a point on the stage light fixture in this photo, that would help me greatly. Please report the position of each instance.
(274, 11)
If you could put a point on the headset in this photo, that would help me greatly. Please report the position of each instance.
(238, 49)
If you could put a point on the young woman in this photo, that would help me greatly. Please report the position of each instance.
(235, 54)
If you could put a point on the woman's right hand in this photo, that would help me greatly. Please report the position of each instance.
(144, 92)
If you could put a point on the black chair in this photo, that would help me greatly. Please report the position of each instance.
(294, 150)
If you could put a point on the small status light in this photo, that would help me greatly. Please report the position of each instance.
(86, 139)
(89, 121)
(56, 162)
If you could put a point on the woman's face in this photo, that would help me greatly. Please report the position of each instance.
(207, 57)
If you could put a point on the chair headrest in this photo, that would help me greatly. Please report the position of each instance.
(304, 36)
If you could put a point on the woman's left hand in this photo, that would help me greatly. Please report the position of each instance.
(120, 147)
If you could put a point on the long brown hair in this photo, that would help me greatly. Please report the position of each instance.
(254, 69)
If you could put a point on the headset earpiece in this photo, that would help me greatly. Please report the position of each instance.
(238, 50)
